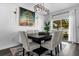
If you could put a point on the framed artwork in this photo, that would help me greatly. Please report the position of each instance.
(26, 17)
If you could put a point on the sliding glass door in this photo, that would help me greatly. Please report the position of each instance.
(61, 22)
(63, 25)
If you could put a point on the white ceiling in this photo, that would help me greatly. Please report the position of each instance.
(59, 6)
(55, 6)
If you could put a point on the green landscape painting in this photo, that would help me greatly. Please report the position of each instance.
(26, 17)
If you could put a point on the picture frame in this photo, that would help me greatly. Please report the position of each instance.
(26, 17)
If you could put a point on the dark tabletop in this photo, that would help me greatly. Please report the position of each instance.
(39, 38)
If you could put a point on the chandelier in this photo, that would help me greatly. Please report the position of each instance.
(40, 8)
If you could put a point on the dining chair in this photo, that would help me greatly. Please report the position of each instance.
(53, 43)
(59, 41)
(27, 46)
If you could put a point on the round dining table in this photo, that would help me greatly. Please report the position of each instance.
(39, 39)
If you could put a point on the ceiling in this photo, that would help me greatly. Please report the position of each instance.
(55, 6)
(59, 6)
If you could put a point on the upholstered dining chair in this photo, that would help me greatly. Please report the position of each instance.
(59, 41)
(52, 44)
(27, 46)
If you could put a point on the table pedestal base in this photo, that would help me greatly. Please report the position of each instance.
(40, 50)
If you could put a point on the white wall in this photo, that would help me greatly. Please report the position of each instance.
(61, 16)
(9, 26)
(77, 24)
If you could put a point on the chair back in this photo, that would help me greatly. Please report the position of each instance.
(24, 40)
(51, 44)
(55, 37)
(55, 40)
(60, 37)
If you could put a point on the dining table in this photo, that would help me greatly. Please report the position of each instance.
(40, 39)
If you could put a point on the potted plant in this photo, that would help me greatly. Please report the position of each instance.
(47, 27)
